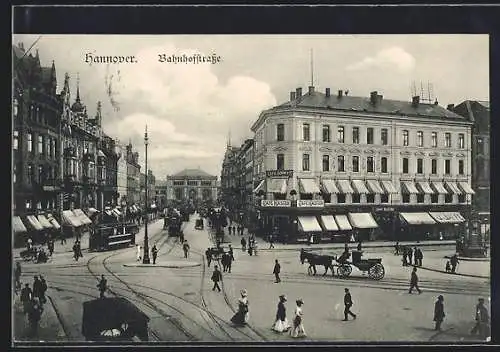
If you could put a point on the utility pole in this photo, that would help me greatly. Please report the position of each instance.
(146, 244)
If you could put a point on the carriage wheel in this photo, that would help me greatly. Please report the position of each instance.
(376, 272)
(344, 270)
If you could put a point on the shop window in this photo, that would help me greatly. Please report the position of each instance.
(370, 198)
(434, 198)
(384, 198)
(462, 198)
(356, 198)
(340, 198)
(406, 198)
(327, 197)
(448, 198)
(420, 198)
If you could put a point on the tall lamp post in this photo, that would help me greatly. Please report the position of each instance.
(145, 259)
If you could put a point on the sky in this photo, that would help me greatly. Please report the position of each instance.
(191, 109)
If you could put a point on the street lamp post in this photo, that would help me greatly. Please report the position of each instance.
(145, 259)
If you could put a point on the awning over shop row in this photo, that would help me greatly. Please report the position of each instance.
(410, 187)
(431, 218)
(308, 186)
(337, 222)
(37, 223)
(309, 224)
(17, 225)
(70, 219)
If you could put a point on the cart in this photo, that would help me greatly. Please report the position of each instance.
(113, 319)
(216, 253)
(373, 266)
(199, 224)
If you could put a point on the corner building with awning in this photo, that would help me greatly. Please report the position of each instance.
(337, 167)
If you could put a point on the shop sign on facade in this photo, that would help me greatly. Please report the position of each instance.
(279, 173)
(384, 209)
(310, 203)
(275, 203)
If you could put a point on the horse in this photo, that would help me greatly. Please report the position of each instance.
(315, 259)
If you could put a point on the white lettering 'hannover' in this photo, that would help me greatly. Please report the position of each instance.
(109, 59)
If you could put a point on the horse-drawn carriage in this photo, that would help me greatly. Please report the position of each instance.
(373, 266)
(215, 253)
(198, 224)
(37, 255)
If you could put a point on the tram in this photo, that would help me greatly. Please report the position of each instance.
(111, 231)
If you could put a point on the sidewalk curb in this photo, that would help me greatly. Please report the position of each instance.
(465, 259)
(456, 274)
(62, 332)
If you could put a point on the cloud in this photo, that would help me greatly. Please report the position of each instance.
(387, 58)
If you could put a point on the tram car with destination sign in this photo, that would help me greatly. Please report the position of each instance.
(111, 231)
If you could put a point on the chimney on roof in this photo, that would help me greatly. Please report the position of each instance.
(292, 96)
(373, 97)
(340, 93)
(415, 101)
(311, 90)
(298, 93)
(450, 107)
(327, 92)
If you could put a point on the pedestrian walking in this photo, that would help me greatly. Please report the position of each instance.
(347, 305)
(185, 248)
(34, 316)
(243, 244)
(271, 242)
(482, 320)
(420, 257)
(242, 315)
(454, 262)
(154, 251)
(208, 255)
(79, 248)
(37, 287)
(139, 257)
(63, 240)
(229, 229)
(76, 253)
(276, 271)
(409, 253)
(216, 277)
(26, 297)
(102, 286)
(17, 277)
(396, 248)
(281, 323)
(298, 329)
(414, 281)
(43, 288)
(448, 267)
(29, 244)
(439, 312)
(359, 248)
(50, 246)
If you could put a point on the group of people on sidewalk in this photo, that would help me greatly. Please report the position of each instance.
(410, 256)
(32, 299)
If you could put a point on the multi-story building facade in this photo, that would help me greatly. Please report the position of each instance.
(479, 113)
(151, 188)
(192, 185)
(36, 117)
(133, 176)
(229, 190)
(332, 163)
(161, 190)
(121, 174)
(110, 187)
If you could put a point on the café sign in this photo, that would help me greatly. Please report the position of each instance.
(310, 203)
(275, 203)
(279, 173)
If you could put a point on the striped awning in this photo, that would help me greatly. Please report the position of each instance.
(447, 217)
(117, 212)
(417, 218)
(329, 186)
(389, 187)
(345, 186)
(35, 224)
(53, 221)
(329, 223)
(374, 186)
(359, 186)
(439, 188)
(309, 224)
(409, 187)
(92, 211)
(343, 222)
(362, 220)
(69, 218)
(308, 186)
(466, 188)
(82, 217)
(425, 187)
(45, 223)
(17, 225)
(277, 185)
(259, 187)
(453, 188)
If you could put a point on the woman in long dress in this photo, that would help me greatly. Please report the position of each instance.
(281, 324)
(298, 324)
(241, 316)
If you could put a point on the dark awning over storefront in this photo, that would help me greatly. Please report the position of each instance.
(343, 222)
(308, 186)
(362, 220)
(345, 186)
(329, 223)
(309, 224)
(417, 218)
(447, 217)
(17, 225)
(359, 186)
(329, 186)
